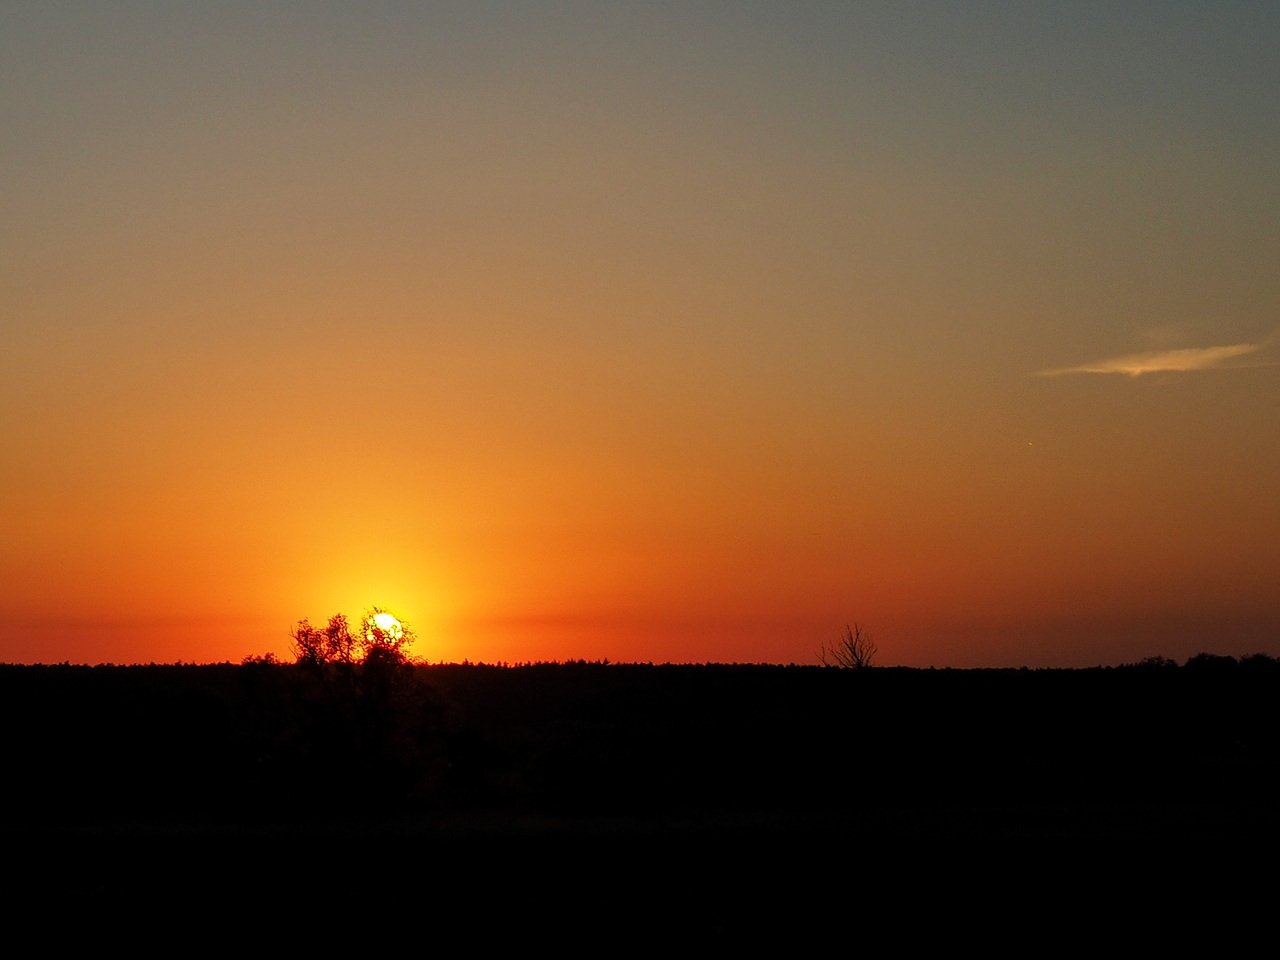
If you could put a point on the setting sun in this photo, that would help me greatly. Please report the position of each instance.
(384, 626)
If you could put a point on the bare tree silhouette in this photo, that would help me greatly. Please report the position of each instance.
(855, 650)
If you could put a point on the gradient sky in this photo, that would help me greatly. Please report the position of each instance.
(652, 331)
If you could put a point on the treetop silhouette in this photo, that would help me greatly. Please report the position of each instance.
(381, 638)
(855, 650)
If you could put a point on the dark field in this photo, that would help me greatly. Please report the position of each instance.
(715, 802)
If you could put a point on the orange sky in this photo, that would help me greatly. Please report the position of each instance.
(652, 332)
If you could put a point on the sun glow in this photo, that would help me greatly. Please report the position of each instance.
(383, 625)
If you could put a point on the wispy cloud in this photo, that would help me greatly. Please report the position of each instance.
(1135, 365)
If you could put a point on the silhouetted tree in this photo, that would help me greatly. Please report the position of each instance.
(1260, 661)
(368, 704)
(854, 650)
(1205, 662)
(381, 637)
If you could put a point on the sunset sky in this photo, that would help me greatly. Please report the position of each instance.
(670, 331)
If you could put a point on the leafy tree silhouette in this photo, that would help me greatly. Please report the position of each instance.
(382, 638)
(371, 716)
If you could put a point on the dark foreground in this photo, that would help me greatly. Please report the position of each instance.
(714, 803)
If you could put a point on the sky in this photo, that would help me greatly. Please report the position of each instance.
(665, 331)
